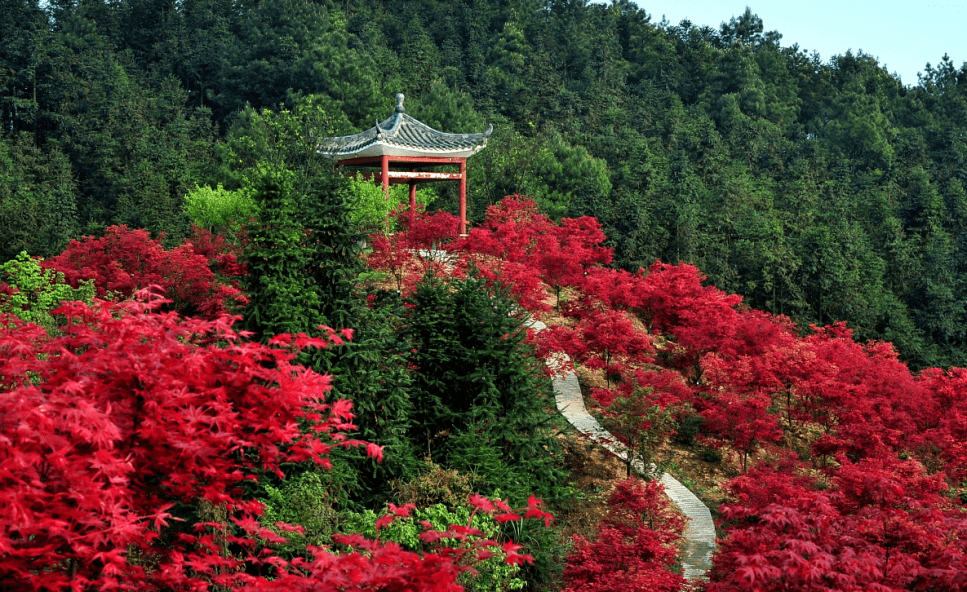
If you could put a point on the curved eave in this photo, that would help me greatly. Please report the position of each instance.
(379, 148)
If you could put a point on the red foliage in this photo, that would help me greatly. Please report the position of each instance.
(522, 281)
(515, 231)
(735, 413)
(635, 547)
(7, 292)
(392, 254)
(416, 250)
(613, 288)
(426, 231)
(666, 388)
(130, 412)
(604, 339)
(406, 262)
(124, 261)
(941, 437)
(882, 526)
(700, 318)
(124, 415)
(219, 252)
(419, 249)
(569, 250)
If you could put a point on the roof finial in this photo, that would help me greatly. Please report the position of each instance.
(399, 103)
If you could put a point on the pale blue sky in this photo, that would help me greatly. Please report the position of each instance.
(904, 36)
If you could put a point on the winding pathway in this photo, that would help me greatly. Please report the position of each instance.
(700, 529)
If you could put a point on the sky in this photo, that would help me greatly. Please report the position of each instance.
(902, 35)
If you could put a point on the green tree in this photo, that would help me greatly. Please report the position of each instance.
(477, 386)
(304, 265)
(281, 297)
(446, 109)
(38, 199)
(545, 167)
(33, 292)
(219, 209)
(285, 47)
(24, 39)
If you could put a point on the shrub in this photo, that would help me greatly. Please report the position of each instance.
(31, 291)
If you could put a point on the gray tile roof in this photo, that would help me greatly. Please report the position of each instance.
(401, 135)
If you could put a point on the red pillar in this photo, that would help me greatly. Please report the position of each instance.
(384, 177)
(385, 174)
(412, 202)
(463, 196)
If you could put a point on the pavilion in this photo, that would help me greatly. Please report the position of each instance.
(408, 151)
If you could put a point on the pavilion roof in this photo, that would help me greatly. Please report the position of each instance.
(402, 135)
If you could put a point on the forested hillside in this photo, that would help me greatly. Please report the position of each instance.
(820, 190)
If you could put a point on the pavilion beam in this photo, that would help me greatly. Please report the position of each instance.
(406, 176)
(395, 178)
(374, 160)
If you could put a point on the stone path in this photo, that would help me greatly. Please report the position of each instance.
(700, 529)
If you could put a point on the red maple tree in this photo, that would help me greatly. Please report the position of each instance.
(635, 546)
(880, 524)
(515, 231)
(129, 414)
(124, 261)
(874, 504)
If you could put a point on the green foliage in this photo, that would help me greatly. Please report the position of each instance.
(563, 175)
(291, 46)
(302, 256)
(280, 140)
(37, 291)
(370, 209)
(307, 500)
(560, 177)
(303, 251)
(436, 485)
(220, 209)
(373, 371)
(473, 452)
(479, 395)
(38, 199)
(787, 179)
(281, 299)
(493, 575)
(446, 109)
(711, 455)
(687, 428)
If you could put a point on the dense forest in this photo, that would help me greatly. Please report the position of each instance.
(824, 191)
